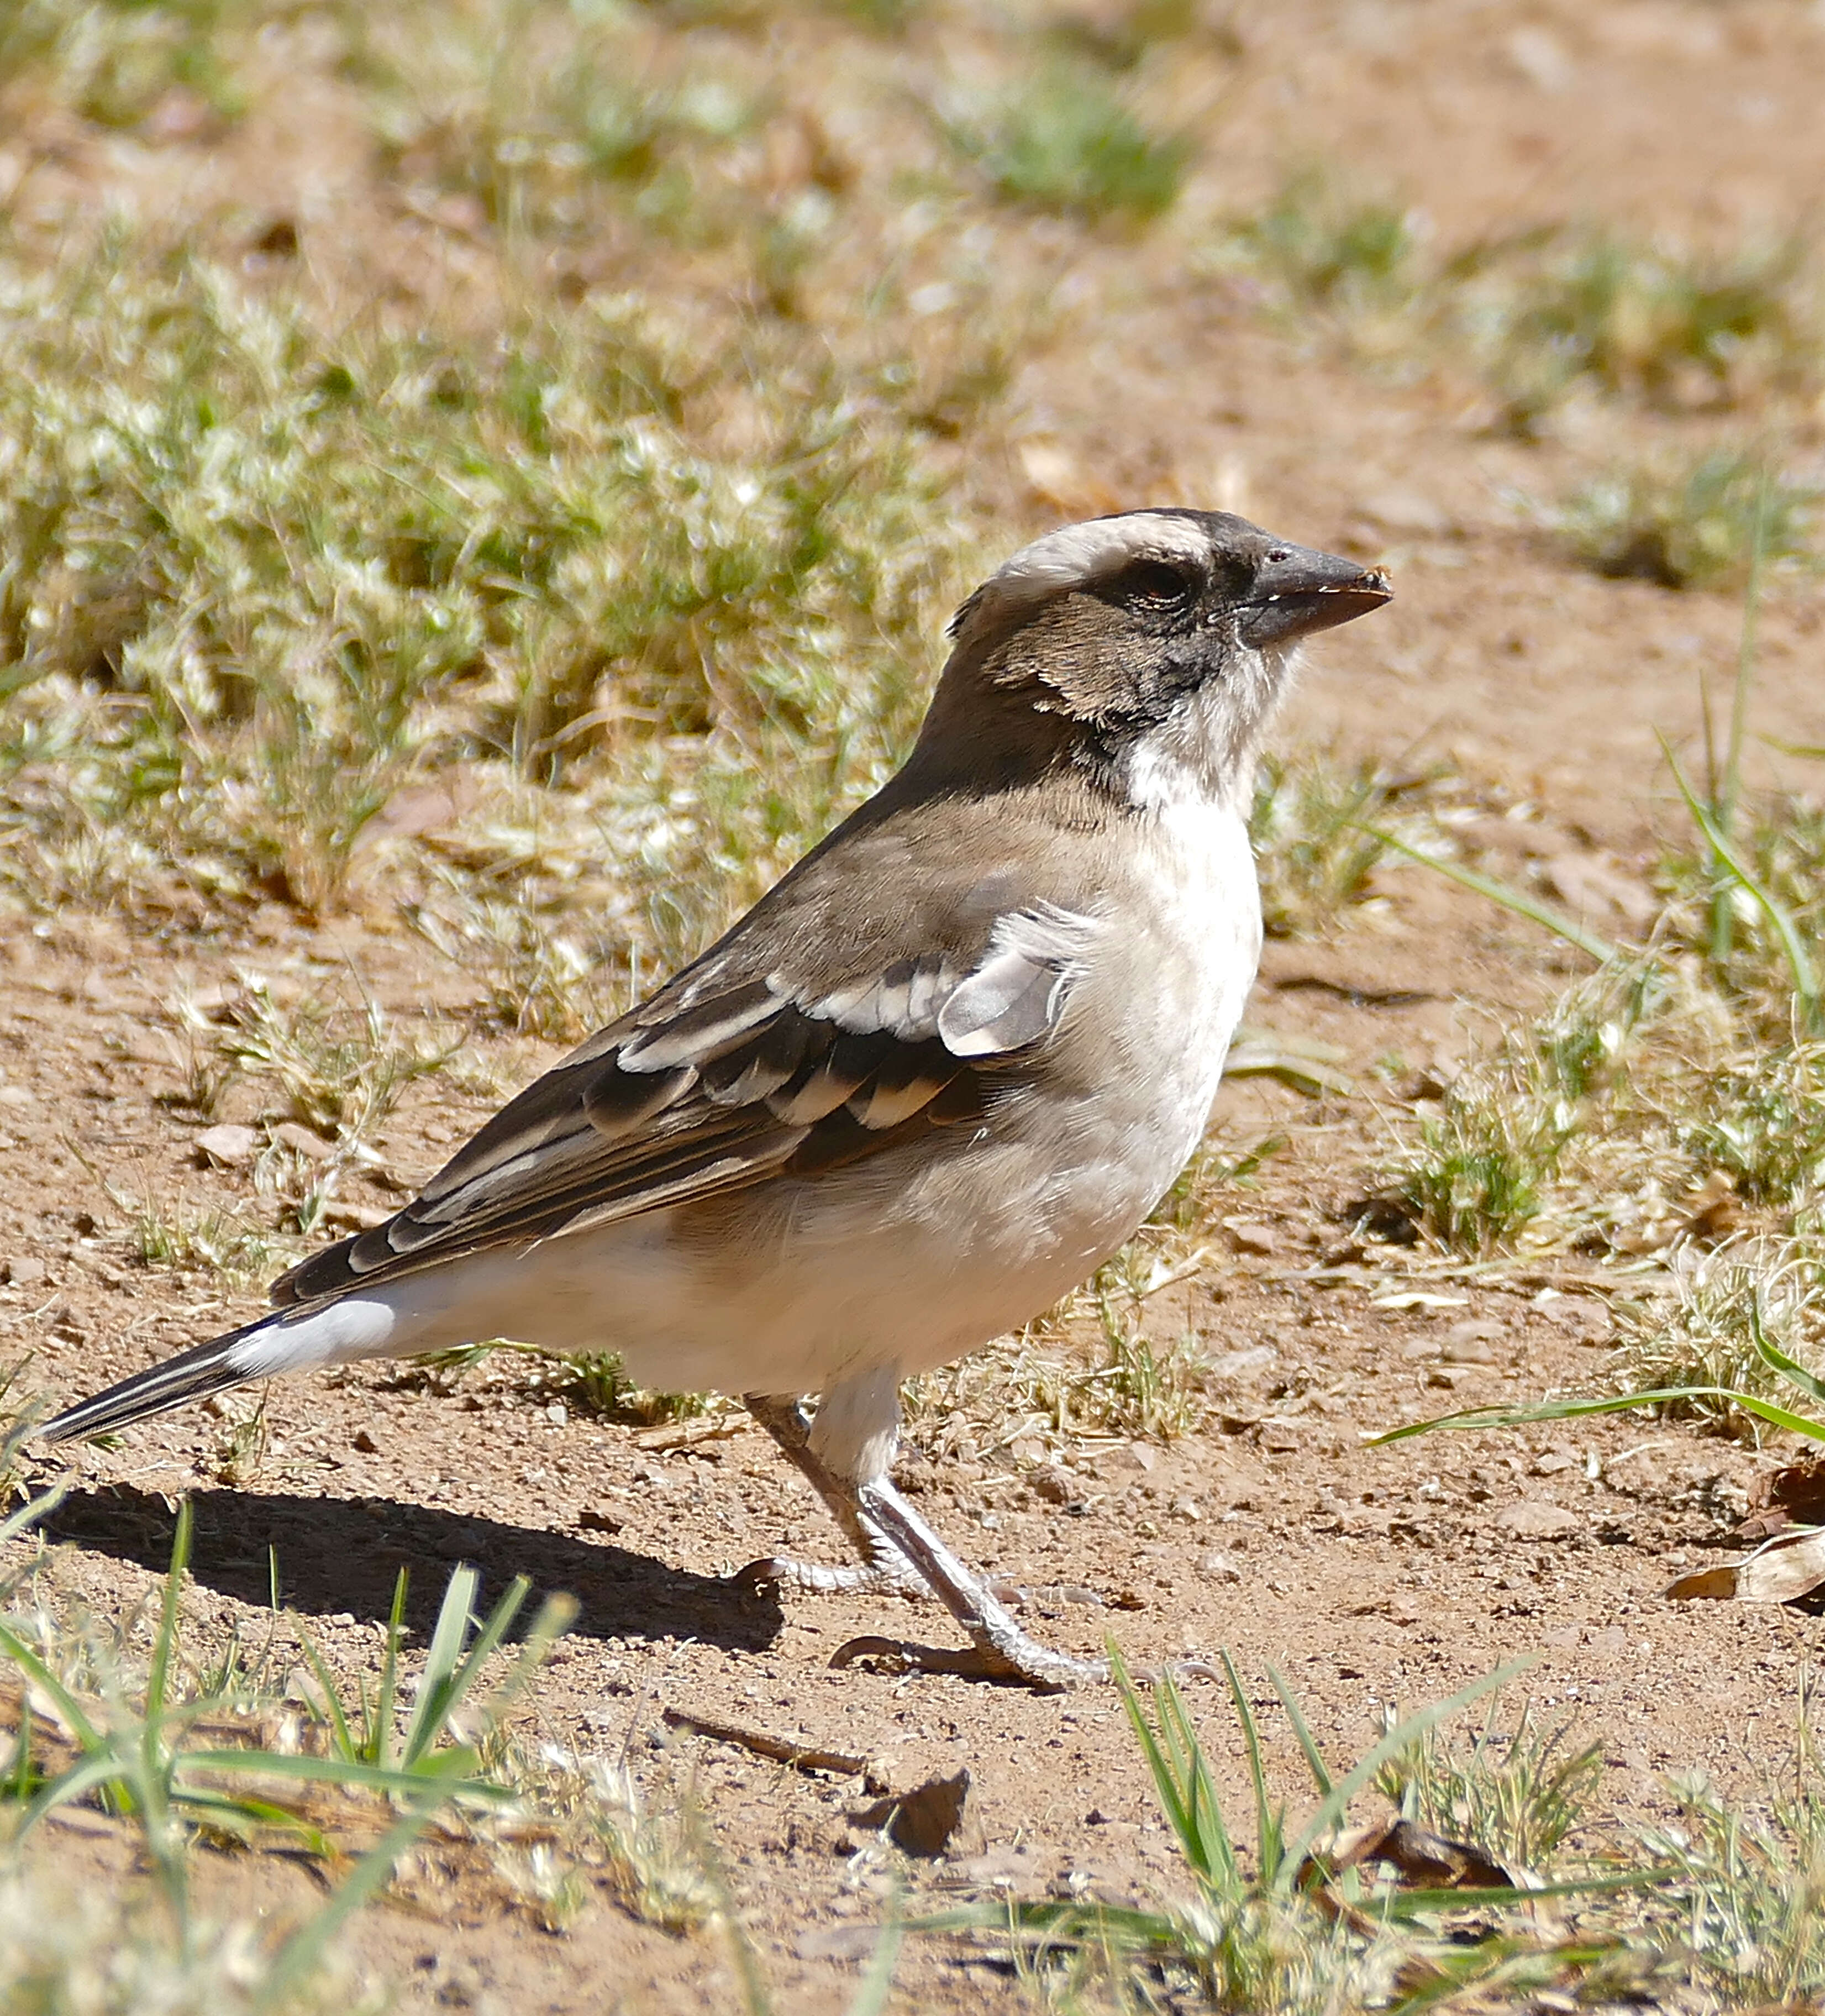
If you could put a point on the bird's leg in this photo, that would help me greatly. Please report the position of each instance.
(903, 1552)
(999, 1651)
(882, 1566)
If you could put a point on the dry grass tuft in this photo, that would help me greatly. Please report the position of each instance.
(1701, 1331)
(1707, 524)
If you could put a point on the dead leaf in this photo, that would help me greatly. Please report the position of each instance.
(301, 1141)
(922, 1821)
(1304, 1062)
(449, 801)
(853, 1943)
(1593, 888)
(81, 1819)
(279, 239)
(1782, 1570)
(341, 1215)
(690, 1434)
(1409, 511)
(800, 1753)
(1792, 1495)
(1528, 839)
(1714, 1211)
(1056, 477)
(1719, 1583)
(1431, 1861)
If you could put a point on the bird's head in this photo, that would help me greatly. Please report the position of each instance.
(1148, 648)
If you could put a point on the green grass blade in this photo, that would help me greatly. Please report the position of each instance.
(20, 1778)
(28, 1515)
(1165, 1779)
(1790, 1368)
(379, 1746)
(1616, 1403)
(1504, 1962)
(1726, 789)
(87, 1735)
(1269, 1824)
(750, 1980)
(1800, 968)
(494, 1629)
(554, 1617)
(1055, 1920)
(1331, 1810)
(454, 1770)
(444, 1688)
(1314, 1757)
(1587, 942)
(1215, 1852)
(341, 1732)
(1192, 1810)
(105, 1768)
(307, 1945)
(164, 1645)
(1403, 1905)
(456, 1614)
(246, 1819)
(877, 1985)
(148, 1765)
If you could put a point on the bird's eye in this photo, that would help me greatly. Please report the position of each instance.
(1152, 584)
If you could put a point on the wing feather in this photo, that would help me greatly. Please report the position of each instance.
(724, 1079)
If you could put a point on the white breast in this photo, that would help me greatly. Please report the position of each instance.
(918, 1254)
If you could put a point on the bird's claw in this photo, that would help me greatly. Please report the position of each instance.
(777, 1572)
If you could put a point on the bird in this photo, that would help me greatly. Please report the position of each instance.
(936, 1076)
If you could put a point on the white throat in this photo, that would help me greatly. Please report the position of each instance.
(1201, 761)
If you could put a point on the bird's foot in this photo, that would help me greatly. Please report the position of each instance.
(1012, 1659)
(880, 1577)
(905, 1555)
(999, 1649)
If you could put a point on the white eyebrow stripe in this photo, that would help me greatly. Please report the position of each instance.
(1076, 553)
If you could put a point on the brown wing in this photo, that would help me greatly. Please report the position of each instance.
(719, 1081)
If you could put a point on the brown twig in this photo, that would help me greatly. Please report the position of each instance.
(782, 1749)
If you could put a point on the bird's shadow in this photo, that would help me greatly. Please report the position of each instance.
(330, 1556)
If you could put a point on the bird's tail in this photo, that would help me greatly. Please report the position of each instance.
(191, 1375)
(289, 1340)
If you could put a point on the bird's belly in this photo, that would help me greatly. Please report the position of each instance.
(919, 1253)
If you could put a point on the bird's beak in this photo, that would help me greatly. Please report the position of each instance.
(1300, 592)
